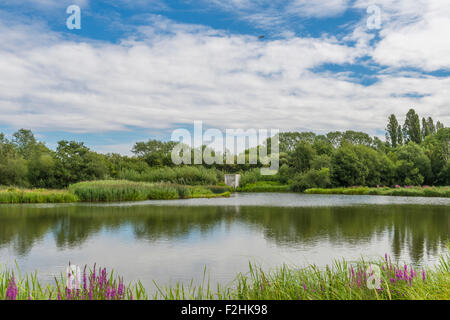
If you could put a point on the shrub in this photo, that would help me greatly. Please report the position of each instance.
(311, 179)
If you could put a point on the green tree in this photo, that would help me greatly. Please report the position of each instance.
(357, 137)
(41, 168)
(346, 167)
(400, 135)
(75, 162)
(323, 146)
(411, 128)
(392, 130)
(311, 179)
(413, 166)
(155, 152)
(430, 125)
(300, 158)
(437, 149)
(24, 141)
(425, 129)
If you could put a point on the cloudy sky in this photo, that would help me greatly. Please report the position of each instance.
(139, 69)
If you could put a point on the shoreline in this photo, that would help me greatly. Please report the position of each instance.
(105, 191)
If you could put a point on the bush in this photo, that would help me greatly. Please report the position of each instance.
(311, 179)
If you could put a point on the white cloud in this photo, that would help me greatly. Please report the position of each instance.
(318, 8)
(267, 14)
(123, 149)
(175, 74)
(46, 4)
(414, 33)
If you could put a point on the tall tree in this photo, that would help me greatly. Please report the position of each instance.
(430, 125)
(392, 130)
(425, 128)
(411, 128)
(399, 135)
(302, 156)
(25, 142)
(439, 125)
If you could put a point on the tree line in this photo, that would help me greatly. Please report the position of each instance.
(416, 153)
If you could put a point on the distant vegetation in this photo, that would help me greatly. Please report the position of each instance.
(111, 191)
(416, 154)
(264, 186)
(14, 195)
(120, 190)
(401, 192)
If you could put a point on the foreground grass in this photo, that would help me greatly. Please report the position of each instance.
(341, 281)
(384, 191)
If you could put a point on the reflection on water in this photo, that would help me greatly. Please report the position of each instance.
(171, 241)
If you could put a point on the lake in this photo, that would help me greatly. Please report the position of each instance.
(170, 241)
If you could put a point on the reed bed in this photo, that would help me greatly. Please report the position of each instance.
(15, 195)
(264, 186)
(121, 190)
(342, 280)
(184, 175)
(407, 191)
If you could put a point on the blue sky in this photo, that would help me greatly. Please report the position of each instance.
(140, 69)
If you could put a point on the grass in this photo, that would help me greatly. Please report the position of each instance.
(443, 192)
(185, 175)
(121, 190)
(264, 186)
(92, 284)
(15, 195)
(341, 281)
(111, 191)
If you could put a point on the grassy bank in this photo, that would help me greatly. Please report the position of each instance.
(121, 190)
(384, 191)
(111, 191)
(185, 175)
(15, 195)
(264, 186)
(341, 281)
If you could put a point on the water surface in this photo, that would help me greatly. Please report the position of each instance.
(171, 241)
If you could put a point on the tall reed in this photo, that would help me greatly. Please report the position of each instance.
(15, 195)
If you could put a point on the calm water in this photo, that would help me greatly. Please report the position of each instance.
(171, 241)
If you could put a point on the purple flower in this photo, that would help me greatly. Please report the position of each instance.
(11, 291)
(423, 274)
(121, 288)
(84, 279)
(91, 293)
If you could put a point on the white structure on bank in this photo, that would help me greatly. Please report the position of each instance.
(232, 180)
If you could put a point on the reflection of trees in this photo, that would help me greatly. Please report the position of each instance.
(411, 226)
(417, 228)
